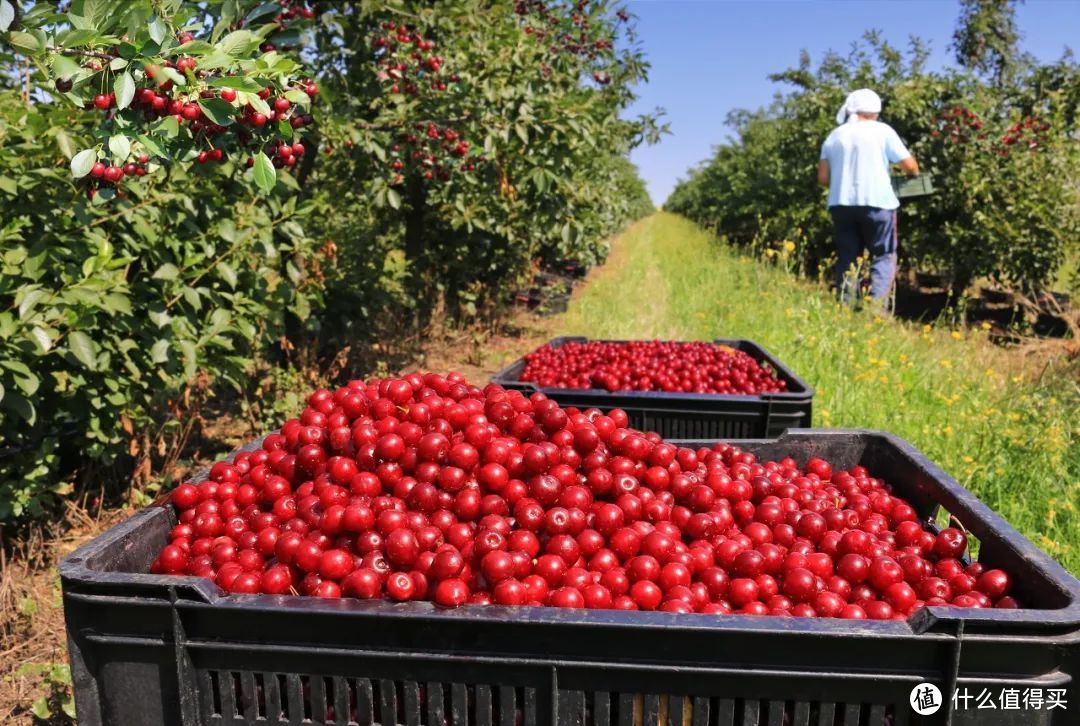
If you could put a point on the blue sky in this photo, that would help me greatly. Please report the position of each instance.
(711, 56)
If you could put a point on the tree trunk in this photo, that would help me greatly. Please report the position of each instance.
(418, 280)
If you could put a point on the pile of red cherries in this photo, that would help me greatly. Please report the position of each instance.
(650, 365)
(427, 488)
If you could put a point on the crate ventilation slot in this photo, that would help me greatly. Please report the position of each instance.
(234, 698)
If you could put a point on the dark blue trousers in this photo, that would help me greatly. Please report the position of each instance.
(864, 228)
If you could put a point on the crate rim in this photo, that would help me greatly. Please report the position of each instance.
(806, 390)
(201, 592)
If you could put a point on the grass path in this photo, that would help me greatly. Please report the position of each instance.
(980, 412)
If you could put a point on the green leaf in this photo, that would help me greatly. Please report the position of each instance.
(150, 145)
(22, 406)
(191, 356)
(215, 60)
(159, 353)
(78, 36)
(120, 147)
(67, 705)
(253, 100)
(30, 299)
(98, 13)
(298, 97)
(220, 318)
(228, 274)
(28, 383)
(217, 110)
(124, 88)
(522, 132)
(261, 10)
(64, 142)
(17, 366)
(7, 14)
(191, 294)
(40, 708)
(115, 303)
(83, 162)
(83, 348)
(78, 21)
(104, 196)
(265, 173)
(237, 83)
(64, 67)
(42, 338)
(160, 74)
(8, 185)
(157, 29)
(168, 271)
(194, 47)
(168, 126)
(25, 41)
(393, 198)
(239, 42)
(160, 319)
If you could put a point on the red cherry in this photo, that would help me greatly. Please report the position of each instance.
(951, 543)
(451, 593)
(401, 586)
(994, 583)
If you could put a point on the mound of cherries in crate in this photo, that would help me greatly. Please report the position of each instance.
(653, 365)
(427, 488)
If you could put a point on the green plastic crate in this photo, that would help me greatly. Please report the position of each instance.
(916, 186)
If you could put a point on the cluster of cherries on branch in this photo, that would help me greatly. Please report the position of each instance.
(406, 64)
(291, 11)
(569, 33)
(960, 125)
(235, 125)
(1029, 132)
(427, 488)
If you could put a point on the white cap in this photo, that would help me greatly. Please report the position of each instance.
(861, 101)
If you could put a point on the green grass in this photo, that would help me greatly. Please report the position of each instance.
(1009, 433)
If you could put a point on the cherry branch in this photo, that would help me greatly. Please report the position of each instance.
(85, 53)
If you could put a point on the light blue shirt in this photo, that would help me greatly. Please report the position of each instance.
(859, 155)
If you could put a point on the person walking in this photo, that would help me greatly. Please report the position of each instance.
(854, 165)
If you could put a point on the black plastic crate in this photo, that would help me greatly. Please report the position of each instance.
(151, 649)
(688, 415)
